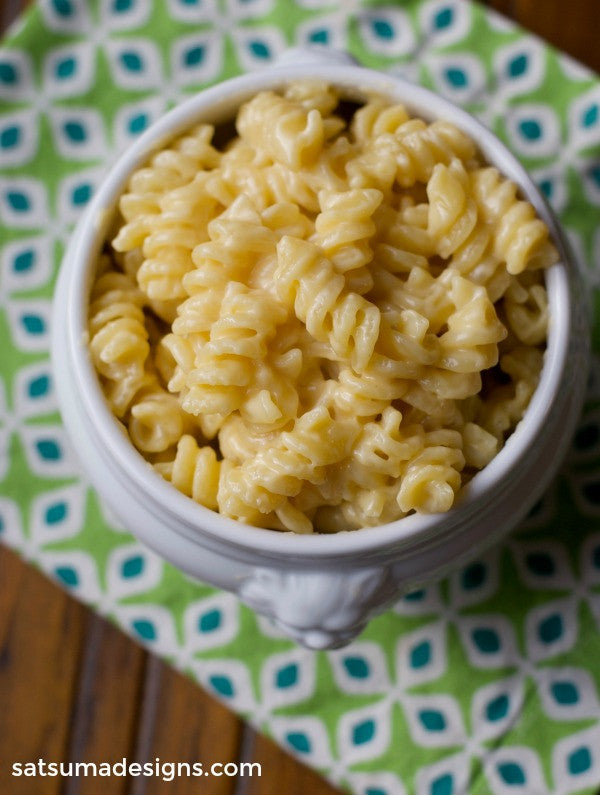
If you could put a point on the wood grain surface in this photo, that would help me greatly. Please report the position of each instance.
(74, 688)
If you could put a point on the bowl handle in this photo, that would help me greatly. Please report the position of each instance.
(313, 56)
(323, 609)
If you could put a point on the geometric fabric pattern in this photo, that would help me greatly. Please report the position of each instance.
(487, 682)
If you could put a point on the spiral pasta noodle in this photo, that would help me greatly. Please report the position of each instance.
(347, 321)
(376, 118)
(345, 226)
(520, 238)
(195, 471)
(223, 370)
(118, 339)
(169, 169)
(288, 132)
(157, 420)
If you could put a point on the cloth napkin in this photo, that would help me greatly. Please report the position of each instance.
(487, 682)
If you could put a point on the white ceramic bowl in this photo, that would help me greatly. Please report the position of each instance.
(320, 589)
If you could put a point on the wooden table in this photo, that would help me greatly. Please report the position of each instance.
(72, 687)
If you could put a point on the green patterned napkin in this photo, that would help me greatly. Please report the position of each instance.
(485, 683)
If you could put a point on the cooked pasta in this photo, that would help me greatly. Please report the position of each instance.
(288, 132)
(331, 321)
(118, 338)
(306, 281)
(345, 226)
(194, 471)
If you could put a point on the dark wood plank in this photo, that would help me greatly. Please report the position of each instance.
(41, 642)
(10, 10)
(506, 7)
(184, 724)
(107, 711)
(572, 26)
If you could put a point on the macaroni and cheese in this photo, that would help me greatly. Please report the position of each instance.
(331, 321)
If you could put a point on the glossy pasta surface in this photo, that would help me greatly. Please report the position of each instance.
(331, 321)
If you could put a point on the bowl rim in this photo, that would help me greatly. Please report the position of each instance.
(213, 105)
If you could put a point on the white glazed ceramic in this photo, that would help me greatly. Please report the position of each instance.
(321, 590)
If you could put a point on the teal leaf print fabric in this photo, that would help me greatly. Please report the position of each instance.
(487, 682)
